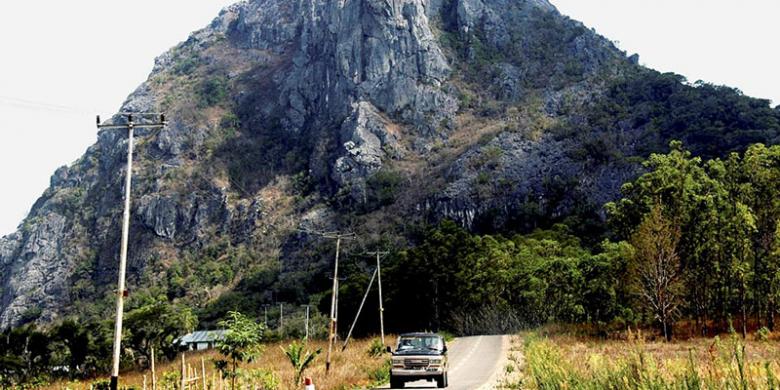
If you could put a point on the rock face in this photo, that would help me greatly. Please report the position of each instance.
(315, 114)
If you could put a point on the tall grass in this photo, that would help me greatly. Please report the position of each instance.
(723, 365)
(354, 368)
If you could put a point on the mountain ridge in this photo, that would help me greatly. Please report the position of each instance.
(369, 115)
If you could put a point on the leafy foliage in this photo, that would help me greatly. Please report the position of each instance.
(300, 358)
(452, 278)
(241, 344)
(642, 112)
(727, 214)
(156, 324)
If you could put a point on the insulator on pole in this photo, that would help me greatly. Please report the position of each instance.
(98, 120)
(129, 117)
(162, 118)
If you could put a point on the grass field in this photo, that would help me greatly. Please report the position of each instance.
(355, 368)
(557, 360)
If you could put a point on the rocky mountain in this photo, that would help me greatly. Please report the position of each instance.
(372, 116)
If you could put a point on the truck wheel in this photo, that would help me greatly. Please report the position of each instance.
(396, 383)
(441, 382)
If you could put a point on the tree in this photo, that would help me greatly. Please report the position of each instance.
(76, 339)
(300, 360)
(157, 325)
(774, 292)
(241, 344)
(657, 268)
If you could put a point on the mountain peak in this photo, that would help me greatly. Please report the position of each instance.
(376, 115)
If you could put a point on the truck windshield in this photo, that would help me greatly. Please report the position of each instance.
(407, 343)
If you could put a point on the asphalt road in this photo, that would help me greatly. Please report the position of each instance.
(473, 361)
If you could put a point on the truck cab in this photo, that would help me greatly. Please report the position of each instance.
(419, 356)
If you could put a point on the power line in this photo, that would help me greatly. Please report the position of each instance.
(42, 106)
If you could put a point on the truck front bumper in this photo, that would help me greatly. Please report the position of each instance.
(422, 373)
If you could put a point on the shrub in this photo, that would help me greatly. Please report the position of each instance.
(213, 91)
(376, 349)
(763, 334)
(382, 374)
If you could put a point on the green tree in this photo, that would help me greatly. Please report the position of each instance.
(241, 344)
(157, 324)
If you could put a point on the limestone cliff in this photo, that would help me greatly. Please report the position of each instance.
(367, 114)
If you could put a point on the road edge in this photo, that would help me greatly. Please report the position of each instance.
(503, 360)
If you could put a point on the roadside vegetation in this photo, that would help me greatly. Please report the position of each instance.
(563, 360)
(271, 369)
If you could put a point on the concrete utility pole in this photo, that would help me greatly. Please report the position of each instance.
(121, 291)
(281, 318)
(335, 293)
(381, 303)
(332, 327)
(306, 324)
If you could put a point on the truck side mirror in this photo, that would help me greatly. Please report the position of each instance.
(389, 350)
(444, 350)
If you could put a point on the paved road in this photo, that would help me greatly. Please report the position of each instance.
(473, 361)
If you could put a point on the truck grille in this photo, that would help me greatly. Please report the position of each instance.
(416, 364)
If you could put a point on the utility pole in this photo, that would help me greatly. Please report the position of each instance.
(281, 319)
(333, 302)
(121, 291)
(265, 315)
(306, 324)
(381, 304)
(360, 309)
(335, 293)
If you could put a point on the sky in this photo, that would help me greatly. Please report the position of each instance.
(63, 62)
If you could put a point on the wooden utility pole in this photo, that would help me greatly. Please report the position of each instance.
(121, 292)
(281, 319)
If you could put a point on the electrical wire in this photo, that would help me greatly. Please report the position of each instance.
(43, 106)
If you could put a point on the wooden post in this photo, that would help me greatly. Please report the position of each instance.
(144, 381)
(154, 374)
(183, 373)
(203, 372)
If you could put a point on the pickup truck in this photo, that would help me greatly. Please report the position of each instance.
(419, 356)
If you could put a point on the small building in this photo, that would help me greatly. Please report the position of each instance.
(201, 340)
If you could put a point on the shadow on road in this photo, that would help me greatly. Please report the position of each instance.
(411, 385)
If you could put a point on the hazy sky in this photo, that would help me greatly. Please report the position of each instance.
(63, 62)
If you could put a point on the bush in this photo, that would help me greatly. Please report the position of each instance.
(213, 91)
(763, 334)
(381, 375)
(101, 384)
(376, 349)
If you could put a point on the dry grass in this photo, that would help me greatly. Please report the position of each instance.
(726, 362)
(351, 369)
